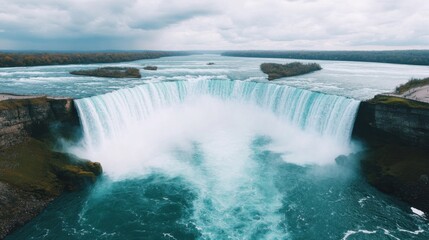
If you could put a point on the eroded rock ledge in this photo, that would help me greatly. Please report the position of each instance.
(396, 160)
(31, 174)
(36, 117)
(393, 119)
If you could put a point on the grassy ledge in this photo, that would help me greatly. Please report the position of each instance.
(398, 101)
(16, 103)
(33, 167)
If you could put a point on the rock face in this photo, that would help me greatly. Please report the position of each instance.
(12, 216)
(396, 134)
(31, 174)
(395, 122)
(401, 171)
(22, 118)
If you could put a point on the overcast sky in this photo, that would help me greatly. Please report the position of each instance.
(214, 25)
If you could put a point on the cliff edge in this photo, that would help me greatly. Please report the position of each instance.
(31, 174)
(396, 160)
(21, 118)
(394, 119)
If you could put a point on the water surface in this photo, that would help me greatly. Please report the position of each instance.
(187, 157)
(359, 80)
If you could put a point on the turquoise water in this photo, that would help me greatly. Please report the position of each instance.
(314, 206)
(187, 157)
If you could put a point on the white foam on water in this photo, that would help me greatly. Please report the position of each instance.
(203, 131)
(418, 212)
(416, 232)
(360, 231)
(324, 114)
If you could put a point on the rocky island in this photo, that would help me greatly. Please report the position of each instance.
(110, 72)
(151, 68)
(31, 173)
(275, 70)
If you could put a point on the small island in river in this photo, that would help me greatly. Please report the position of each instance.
(151, 68)
(111, 72)
(275, 70)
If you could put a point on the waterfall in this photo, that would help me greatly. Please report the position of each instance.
(106, 115)
(219, 137)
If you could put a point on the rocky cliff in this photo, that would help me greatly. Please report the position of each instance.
(31, 174)
(35, 117)
(393, 119)
(395, 132)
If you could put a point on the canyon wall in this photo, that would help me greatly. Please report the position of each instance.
(400, 123)
(395, 136)
(31, 173)
(35, 117)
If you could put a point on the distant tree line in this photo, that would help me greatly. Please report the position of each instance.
(20, 59)
(275, 70)
(413, 57)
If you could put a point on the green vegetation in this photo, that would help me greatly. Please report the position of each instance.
(275, 70)
(151, 68)
(413, 83)
(32, 166)
(384, 99)
(19, 59)
(16, 103)
(413, 57)
(111, 72)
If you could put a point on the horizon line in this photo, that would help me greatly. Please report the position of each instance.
(202, 50)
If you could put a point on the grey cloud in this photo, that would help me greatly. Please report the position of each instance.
(159, 14)
(166, 20)
(206, 24)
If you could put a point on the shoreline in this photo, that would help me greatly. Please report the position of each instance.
(20, 59)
